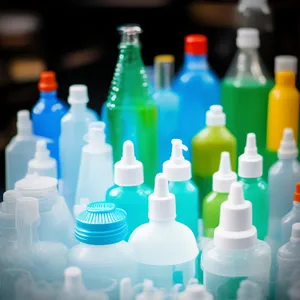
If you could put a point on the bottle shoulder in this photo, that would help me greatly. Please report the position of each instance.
(55, 106)
(254, 184)
(289, 251)
(214, 197)
(182, 186)
(282, 93)
(284, 167)
(135, 191)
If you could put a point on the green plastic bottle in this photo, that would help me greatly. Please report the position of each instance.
(255, 188)
(222, 181)
(131, 111)
(245, 91)
(207, 147)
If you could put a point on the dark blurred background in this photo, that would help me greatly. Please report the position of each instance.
(78, 40)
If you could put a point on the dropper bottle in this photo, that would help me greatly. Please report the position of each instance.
(222, 181)
(250, 173)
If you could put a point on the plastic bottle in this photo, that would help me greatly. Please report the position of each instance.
(247, 79)
(96, 166)
(222, 181)
(195, 292)
(235, 254)
(165, 250)
(74, 125)
(48, 112)
(255, 188)
(42, 164)
(20, 150)
(197, 86)
(207, 147)
(249, 290)
(178, 172)
(129, 192)
(131, 111)
(168, 104)
(288, 261)
(102, 252)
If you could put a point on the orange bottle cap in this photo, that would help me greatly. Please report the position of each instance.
(297, 192)
(47, 82)
(195, 44)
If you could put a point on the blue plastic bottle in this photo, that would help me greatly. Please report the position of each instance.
(74, 125)
(129, 192)
(197, 86)
(168, 104)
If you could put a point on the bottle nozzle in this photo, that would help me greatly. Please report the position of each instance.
(161, 188)
(177, 148)
(288, 148)
(73, 280)
(215, 116)
(41, 152)
(225, 166)
(236, 195)
(251, 148)
(128, 156)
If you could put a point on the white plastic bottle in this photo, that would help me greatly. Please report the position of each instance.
(288, 262)
(235, 254)
(96, 166)
(165, 250)
(42, 164)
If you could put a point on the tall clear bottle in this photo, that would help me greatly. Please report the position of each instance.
(132, 113)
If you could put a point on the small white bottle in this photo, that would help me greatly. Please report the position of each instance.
(42, 164)
(235, 253)
(288, 262)
(165, 250)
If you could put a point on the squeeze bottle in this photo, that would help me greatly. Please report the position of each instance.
(235, 254)
(222, 181)
(250, 173)
(74, 125)
(164, 249)
(20, 150)
(178, 172)
(129, 191)
(168, 104)
(42, 164)
(197, 86)
(245, 91)
(96, 166)
(131, 111)
(207, 147)
(288, 262)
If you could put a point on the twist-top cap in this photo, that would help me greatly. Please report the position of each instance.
(295, 236)
(195, 44)
(177, 168)
(249, 290)
(215, 116)
(286, 63)
(235, 230)
(288, 148)
(101, 224)
(47, 82)
(247, 38)
(195, 292)
(24, 124)
(223, 179)
(250, 163)
(78, 94)
(161, 201)
(128, 171)
(73, 280)
(297, 193)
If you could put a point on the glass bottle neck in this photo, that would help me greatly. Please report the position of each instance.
(195, 61)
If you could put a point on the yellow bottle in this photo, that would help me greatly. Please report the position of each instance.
(283, 109)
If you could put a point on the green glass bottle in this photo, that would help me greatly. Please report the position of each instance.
(131, 112)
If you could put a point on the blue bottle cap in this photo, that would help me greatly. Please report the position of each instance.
(101, 224)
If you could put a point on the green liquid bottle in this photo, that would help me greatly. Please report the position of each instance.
(245, 91)
(222, 181)
(255, 188)
(132, 113)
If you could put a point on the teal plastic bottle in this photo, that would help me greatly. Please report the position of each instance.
(129, 192)
(250, 173)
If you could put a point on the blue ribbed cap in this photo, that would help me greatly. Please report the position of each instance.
(101, 224)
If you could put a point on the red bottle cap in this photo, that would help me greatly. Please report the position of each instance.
(195, 44)
(47, 82)
(297, 193)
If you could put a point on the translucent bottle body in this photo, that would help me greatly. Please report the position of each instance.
(287, 222)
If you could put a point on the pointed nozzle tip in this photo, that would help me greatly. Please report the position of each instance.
(236, 195)
(251, 141)
(128, 156)
(288, 134)
(225, 165)
(161, 188)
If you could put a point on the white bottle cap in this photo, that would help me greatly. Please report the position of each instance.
(247, 38)
(150, 292)
(195, 292)
(41, 152)
(288, 148)
(235, 230)
(259, 4)
(161, 202)
(250, 163)
(295, 236)
(78, 94)
(24, 124)
(177, 168)
(73, 280)
(128, 171)
(215, 116)
(223, 179)
(286, 63)
(249, 290)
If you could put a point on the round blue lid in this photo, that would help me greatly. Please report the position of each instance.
(101, 224)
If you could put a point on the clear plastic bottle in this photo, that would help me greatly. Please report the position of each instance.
(235, 254)
(96, 166)
(164, 249)
(74, 125)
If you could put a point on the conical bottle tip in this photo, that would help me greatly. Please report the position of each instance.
(236, 195)
(41, 145)
(161, 188)
(251, 141)
(128, 152)
(288, 134)
(225, 166)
